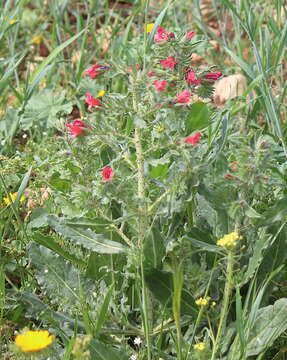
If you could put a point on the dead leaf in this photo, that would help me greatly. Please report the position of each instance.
(229, 87)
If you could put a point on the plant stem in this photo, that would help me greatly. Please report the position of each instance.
(141, 233)
(226, 297)
(176, 302)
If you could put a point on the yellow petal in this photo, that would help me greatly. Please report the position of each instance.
(149, 28)
(101, 93)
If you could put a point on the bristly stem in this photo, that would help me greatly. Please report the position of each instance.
(141, 233)
(226, 297)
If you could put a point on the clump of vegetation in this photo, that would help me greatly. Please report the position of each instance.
(142, 181)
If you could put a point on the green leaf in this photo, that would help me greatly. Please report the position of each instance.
(198, 117)
(270, 323)
(102, 313)
(100, 351)
(60, 280)
(85, 237)
(154, 249)
(44, 108)
(50, 243)
(278, 212)
(257, 256)
(204, 246)
(161, 285)
(159, 171)
(22, 186)
(36, 307)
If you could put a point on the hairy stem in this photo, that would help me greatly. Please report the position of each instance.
(142, 222)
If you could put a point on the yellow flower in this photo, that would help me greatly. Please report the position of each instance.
(12, 22)
(36, 40)
(31, 341)
(13, 198)
(159, 127)
(229, 240)
(101, 93)
(202, 301)
(199, 346)
(149, 28)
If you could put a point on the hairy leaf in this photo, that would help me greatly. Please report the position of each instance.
(85, 237)
(270, 323)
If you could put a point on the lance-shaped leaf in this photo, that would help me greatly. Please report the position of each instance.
(61, 281)
(270, 323)
(85, 237)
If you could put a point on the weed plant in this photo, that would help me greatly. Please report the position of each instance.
(139, 219)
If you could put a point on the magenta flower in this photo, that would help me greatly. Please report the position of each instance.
(190, 35)
(168, 63)
(91, 101)
(191, 78)
(160, 85)
(76, 128)
(193, 139)
(161, 35)
(183, 97)
(93, 71)
(213, 76)
(107, 173)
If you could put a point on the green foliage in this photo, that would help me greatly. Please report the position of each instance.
(129, 267)
(270, 322)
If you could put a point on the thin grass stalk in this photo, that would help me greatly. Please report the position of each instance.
(226, 300)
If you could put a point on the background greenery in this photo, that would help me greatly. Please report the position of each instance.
(84, 257)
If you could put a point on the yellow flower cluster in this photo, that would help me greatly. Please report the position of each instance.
(199, 346)
(32, 341)
(229, 240)
(13, 196)
(202, 301)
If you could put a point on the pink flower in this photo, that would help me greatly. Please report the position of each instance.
(93, 72)
(169, 62)
(190, 35)
(160, 85)
(193, 139)
(161, 35)
(191, 78)
(107, 173)
(91, 101)
(213, 75)
(183, 97)
(76, 128)
(151, 73)
(78, 122)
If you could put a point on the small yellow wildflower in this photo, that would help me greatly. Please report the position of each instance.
(32, 341)
(149, 28)
(213, 303)
(101, 93)
(36, 40)
(159, 127)
(229, 240)
(199, 346)
(202, 301)
(12, 22)
(13, 198)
